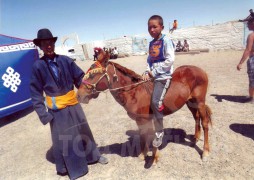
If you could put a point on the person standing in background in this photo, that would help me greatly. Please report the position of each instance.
(186, 47)
(175, 25)
(249, 53)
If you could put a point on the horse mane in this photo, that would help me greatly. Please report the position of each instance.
(127, 72)
(148, 86)
(91, 72)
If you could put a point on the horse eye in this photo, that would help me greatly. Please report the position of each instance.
(91, 76)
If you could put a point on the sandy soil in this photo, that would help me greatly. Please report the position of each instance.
(25, 150)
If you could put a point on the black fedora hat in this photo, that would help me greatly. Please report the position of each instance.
(43, 34)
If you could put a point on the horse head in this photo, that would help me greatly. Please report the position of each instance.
(96, 78)
(103, 56)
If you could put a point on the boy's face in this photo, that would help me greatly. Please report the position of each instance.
(154, 28)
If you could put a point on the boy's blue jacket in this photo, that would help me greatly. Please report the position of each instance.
(161, 58)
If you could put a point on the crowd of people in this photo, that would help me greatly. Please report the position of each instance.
(182, 47)
(113, 53)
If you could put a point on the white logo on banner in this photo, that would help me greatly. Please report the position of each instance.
(11, 79)
(17, 47)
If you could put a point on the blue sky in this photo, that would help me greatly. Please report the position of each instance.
(106, 19)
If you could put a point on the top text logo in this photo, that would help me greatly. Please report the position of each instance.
(17, 47)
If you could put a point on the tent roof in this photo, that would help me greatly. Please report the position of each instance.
(8, 40)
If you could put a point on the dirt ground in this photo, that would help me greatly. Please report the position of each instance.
(25, 144)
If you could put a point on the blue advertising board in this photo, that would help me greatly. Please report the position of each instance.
(16, 59)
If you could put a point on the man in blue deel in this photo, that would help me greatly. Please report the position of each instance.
(55, 76)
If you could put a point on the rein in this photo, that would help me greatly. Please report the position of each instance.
(93, 85)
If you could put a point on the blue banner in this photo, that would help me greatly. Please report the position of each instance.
(16, 62)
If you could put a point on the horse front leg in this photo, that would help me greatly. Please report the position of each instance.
(145, 127)
(144, 146)
(146, 137)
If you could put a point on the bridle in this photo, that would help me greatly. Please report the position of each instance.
(92, 86)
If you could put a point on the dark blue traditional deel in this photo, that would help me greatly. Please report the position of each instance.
(16, 59)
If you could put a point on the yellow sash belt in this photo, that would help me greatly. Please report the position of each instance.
(60, 102)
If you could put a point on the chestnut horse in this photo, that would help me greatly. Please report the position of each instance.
(188, 86)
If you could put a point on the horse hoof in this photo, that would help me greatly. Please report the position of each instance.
(205, 159)
(205, 156)
(155, 161)
(142, 157)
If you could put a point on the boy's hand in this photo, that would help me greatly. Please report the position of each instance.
(147, 76)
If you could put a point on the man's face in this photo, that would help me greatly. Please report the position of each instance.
(48, 47)
(154, 28)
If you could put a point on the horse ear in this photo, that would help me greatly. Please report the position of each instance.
(107, 55)
(103, 56)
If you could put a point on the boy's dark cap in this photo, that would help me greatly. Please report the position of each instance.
(43, 34)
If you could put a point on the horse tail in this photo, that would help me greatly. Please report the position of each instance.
(209, 114)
